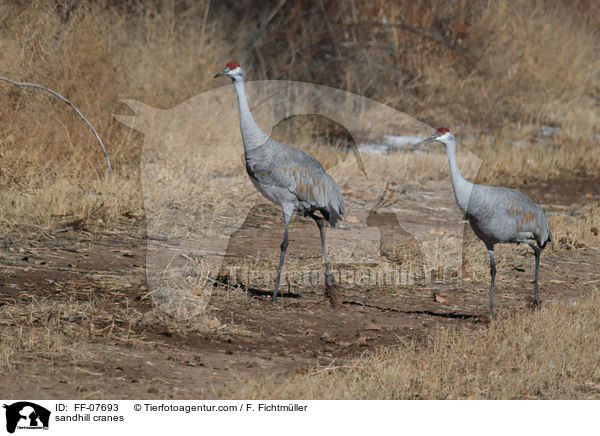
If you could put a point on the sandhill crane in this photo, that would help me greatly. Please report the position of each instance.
(286, 176)
(258, 231)
(497, 215)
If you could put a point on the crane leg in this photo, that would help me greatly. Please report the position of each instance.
(493, 279)
(284, 246)
(537, 252)
(328, 276)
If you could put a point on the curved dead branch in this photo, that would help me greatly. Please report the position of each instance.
(56, 94)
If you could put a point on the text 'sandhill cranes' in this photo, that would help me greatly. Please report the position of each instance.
(286, 176)
(497, 215)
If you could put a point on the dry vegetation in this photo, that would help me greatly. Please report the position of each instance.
(517, 357)
(500, 67)
(495, 71)
(68, 331)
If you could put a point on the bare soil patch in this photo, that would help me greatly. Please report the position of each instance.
(125, 358)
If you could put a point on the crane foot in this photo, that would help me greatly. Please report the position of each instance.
(332, 291)
(485, 319)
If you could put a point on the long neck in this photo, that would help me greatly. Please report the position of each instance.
(462, 187)
(252, 135)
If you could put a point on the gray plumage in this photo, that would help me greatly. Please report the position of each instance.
(497, 215)
(502, 215)
(275, 165)
(286, 176)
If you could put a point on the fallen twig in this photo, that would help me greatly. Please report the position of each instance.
(56, 94)
(65, 229)
(329, 368)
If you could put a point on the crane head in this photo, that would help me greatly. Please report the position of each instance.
(232, 70)
(443, 134)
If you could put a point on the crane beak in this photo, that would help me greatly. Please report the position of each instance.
(222, 73)
(431, 138)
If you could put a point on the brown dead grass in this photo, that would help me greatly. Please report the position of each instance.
(502, 67)
(457, 62)
(575, 230)
(96, 56)
(47, 329)
(498, 70)
(516, 357)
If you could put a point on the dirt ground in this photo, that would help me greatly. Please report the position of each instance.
(299, 333)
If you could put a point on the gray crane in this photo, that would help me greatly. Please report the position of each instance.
(286, 176)
(497, 215)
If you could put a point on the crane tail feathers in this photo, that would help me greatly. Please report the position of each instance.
(332, 218)
(549, 236)
(335, 202)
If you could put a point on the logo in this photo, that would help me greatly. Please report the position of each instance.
(207, 224)
(26, 415)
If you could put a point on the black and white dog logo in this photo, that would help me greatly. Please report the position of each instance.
(26, 415)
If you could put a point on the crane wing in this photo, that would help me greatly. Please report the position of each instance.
(523, 210)
(528, 216)
(292, 169)
(315, 190)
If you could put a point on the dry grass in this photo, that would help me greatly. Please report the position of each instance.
(497, 71)
(459, 62)
(576, 230)
(96, 56)
(517, 357)
(444, 61)
(47, 329)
